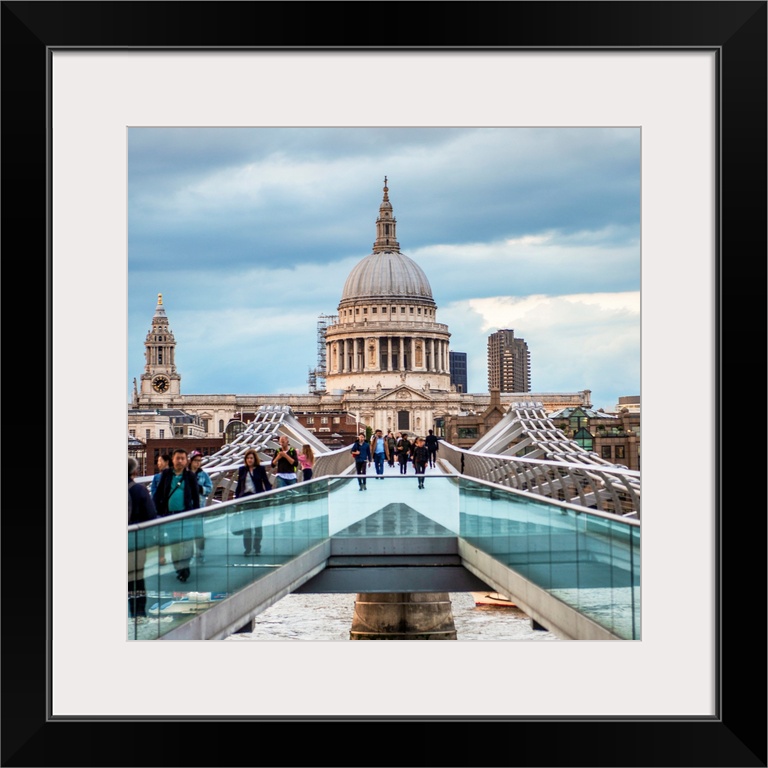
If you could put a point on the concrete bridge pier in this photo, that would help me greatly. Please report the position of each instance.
(403, 616)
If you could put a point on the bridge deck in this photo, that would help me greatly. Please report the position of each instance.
(525, 546)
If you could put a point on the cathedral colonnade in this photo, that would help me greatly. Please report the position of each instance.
(390, 353)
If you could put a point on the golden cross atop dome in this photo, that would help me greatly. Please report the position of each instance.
(159, 298)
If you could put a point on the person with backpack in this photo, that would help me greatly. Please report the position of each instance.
(380, 451)
(285, 462)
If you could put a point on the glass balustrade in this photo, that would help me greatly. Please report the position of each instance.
(588, 561)
(194, 561)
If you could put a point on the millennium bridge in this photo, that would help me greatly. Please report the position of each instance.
(526, 512)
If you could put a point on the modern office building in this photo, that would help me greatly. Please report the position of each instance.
(458, 364)
(509, 362)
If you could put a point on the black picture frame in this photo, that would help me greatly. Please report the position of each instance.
(736, 736)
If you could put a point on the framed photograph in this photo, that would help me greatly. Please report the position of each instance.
(691, 76)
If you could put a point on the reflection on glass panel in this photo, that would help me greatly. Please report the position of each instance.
(191, 563)
(589, 562)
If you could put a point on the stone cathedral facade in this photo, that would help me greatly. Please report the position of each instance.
(387, 358)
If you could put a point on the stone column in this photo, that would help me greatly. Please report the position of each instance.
(403, 616)
(389, 353)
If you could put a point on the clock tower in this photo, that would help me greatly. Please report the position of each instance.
(160, 382)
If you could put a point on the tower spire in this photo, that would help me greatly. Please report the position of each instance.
(160, 379)
(386, 238)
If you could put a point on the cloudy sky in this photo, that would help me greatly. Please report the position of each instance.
(249, 234)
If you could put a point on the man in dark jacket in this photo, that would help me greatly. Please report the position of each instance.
(403, 453)
(177, 491)
(431, 444)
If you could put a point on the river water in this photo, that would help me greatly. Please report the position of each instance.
(329, 617)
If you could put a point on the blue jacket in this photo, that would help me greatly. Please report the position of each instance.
(204, 482)
(365, 451)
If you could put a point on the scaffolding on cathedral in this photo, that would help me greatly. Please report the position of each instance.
(316, 377)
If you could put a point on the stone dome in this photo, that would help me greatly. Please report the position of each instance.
(387, 275)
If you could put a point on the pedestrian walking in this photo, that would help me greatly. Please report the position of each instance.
(177, 491)
(391, 445)
(361, 450)
(140, 509)
(251, 478)
(163, 462)
(306, 461)
(431, 442)
(420, 459)
(205, 487)
(380, 453)
(285, 462)
(403, 453)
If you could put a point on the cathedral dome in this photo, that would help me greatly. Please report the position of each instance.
(387, 275)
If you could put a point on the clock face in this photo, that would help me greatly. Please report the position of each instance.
(160, 384)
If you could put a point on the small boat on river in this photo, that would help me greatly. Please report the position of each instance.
(483, 599)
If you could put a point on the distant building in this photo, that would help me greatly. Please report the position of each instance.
(465, 429)
(509, 364)
(631, 403)
(458, 365)
(615, 437)
(152, 431)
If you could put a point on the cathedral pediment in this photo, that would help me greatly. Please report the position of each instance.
(404, 393)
